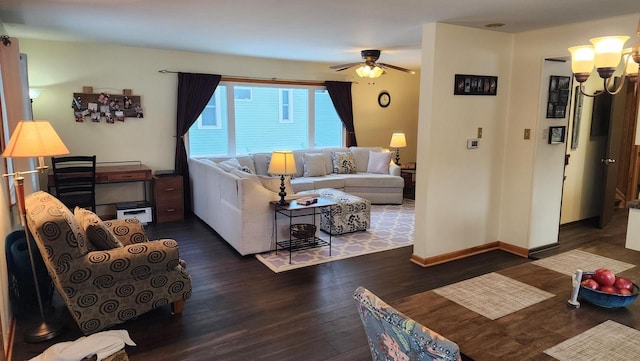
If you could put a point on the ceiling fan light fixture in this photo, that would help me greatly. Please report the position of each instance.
(368, 71)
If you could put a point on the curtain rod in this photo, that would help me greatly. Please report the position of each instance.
(245, 79)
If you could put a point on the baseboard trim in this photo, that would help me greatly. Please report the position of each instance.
(467, 252)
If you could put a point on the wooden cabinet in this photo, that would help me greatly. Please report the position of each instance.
(169, 199)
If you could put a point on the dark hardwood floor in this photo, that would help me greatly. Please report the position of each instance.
(240, 310)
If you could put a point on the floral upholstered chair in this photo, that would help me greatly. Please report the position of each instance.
(394, 336)
(106, 272)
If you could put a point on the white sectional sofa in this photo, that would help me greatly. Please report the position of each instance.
(234, 201)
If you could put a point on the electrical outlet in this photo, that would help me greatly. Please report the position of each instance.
(479, 132)
(527, 133)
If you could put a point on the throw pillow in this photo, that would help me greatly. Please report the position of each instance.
(230, 164)
(343, 163)
(314, 165)
(97, 232)
(273, 184)
(379, 162)
(247, 175)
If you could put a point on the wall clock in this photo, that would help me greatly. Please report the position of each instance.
(384, 99)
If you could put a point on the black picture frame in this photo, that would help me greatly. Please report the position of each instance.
(465, 84)
(557, 134)
(558, 99)
(577, 117)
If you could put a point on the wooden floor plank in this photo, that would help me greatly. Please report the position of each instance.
(240, 310)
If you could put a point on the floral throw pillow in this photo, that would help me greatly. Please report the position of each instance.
(343, 162)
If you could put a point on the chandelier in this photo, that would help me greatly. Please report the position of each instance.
(605, 55)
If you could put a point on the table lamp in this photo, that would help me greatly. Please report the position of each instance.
(282, 163)
(34, 139)
(398, 141)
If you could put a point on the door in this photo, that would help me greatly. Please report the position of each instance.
(610, 157)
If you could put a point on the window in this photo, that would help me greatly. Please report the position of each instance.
(295, 117)
(242, 93)
(211, 115)
(286, 115)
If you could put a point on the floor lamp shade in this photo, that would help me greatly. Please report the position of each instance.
(34, 139)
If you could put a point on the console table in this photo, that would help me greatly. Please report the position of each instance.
(294, 210)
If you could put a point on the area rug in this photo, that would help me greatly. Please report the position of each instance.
(609, 341)
(493, 295)
(391, 227)
(568, 262)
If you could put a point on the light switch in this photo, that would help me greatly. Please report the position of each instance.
(479, 132)
(527, 133)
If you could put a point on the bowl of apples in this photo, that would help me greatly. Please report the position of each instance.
(603, 288)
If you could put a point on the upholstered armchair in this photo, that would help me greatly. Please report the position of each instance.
(106, 272)
(394, 336)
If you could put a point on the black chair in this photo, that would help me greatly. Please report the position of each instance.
(75, 181)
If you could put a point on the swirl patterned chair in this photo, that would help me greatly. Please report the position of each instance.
(394, 336)
(103, 285)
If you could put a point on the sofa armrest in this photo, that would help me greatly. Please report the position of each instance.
(106, 268)
(394, 169)
(127, 231)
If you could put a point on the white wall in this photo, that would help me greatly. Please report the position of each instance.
(530, 49)
(548, 166)
(458, 190)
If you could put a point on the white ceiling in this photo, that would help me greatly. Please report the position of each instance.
(331, 31)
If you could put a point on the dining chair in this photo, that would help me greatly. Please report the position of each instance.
(75, 181)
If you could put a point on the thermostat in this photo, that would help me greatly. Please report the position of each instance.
(472, 143)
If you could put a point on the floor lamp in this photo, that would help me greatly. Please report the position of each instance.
(34, 139)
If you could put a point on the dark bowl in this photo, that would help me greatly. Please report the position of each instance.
(303, 230)
(607, 300)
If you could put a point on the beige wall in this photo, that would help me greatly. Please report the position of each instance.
(458, 191)
(62, 68)
(530, 50)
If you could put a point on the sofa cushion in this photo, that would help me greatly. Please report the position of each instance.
(314, 164)
(245, 174)
(370, 180)
(343, 163)
(379, 162)
(97, 232)
(329, 181)
(230, 164)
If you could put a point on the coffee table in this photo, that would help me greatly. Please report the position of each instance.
(525, 334)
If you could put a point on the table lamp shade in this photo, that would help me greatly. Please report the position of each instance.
(398, 140)
(34, 139)
(282, 163)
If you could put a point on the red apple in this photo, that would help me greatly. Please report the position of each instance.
(624, 292)
(623, 283)
(609, 289)
(604, 277)
(590, 283)
(587, 276)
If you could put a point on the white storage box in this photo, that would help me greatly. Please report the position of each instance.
(139, 210)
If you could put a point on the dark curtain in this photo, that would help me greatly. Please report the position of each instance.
(340, 93)
(194, 92)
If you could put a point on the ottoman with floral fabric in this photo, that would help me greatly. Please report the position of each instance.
(350, 214)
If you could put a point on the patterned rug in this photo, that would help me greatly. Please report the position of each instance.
(609, 341)
(493, 295)
(568, 262)
(391, 227)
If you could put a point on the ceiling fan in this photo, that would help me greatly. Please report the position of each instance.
(370, 68)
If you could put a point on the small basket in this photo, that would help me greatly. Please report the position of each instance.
(303, 230)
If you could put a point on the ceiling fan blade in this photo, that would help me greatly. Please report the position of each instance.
(344, 66)
(396, 68)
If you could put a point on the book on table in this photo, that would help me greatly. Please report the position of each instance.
(307, 201)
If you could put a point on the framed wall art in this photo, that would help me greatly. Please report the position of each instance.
(475, 85)
(559, 92)
(557, 134)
